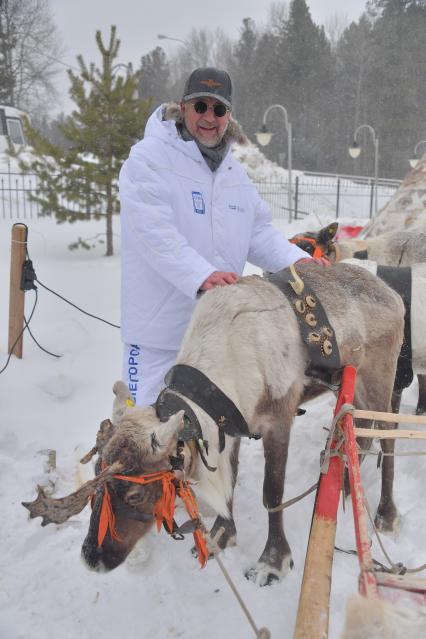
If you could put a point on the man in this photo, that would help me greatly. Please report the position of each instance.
(190, 219)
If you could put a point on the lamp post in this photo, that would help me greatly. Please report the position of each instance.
(161, 36)
(264, 137)
(415, 160)
(355, 150)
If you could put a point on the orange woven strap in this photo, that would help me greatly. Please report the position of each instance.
(106, 519)
(163, 510)
(165, 507)
(187, 496)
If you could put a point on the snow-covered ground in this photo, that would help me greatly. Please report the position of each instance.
(159, 592)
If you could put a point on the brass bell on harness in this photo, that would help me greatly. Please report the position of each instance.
(310, 301)
(327, 347)
(314, 338)
(300, 306)
(310, 319)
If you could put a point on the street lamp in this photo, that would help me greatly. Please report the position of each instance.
(161, 36)
(264, 137)
(355, 150)
(164, 37)
(415, 160)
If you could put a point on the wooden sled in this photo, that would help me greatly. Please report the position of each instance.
(313, 612)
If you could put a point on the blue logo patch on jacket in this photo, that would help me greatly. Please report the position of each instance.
(198, 202)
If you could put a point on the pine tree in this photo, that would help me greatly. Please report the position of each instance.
(81, 182)
(307, 83)
(154, 82)
(396, 81)
(243, 71)
(353, 57)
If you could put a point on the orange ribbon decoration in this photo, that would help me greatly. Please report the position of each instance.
(317, 250)
(163, 510)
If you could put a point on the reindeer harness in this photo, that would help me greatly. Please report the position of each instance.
(315, 329)
(186, 382)
(163, 510)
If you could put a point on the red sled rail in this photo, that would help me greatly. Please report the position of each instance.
(313, 612)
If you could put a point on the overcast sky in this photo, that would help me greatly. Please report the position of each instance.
(139, 22)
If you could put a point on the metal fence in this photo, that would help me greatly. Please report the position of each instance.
(16, 190)
(341, 196)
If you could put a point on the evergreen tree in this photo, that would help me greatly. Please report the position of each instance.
(154, 82)
(353, 56)
(306, 84)
(243, 71)
(396, 81)
(81, 182)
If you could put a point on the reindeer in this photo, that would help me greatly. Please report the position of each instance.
(244, 339)
(398, 249)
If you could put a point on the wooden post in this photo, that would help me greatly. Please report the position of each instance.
(17, 297)
(338, 198)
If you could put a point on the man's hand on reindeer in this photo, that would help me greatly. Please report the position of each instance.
(219, 278)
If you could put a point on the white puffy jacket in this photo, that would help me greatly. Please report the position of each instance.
(180, 222)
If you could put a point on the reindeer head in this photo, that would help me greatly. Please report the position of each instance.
(139, 444)
(318, 243)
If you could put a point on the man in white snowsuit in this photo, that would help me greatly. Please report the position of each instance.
(190, 219)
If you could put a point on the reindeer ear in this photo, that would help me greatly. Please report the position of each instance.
(328, 233)
(166, 432)
(122, 401)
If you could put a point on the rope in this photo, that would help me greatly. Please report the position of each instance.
(325, 459)
(396, 568)
(294, 500)
(27, 326)
(20, 335)
(261, 633)
(379, 453)
(75, 305)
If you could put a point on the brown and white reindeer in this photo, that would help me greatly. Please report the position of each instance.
(245, 339)
(396, 249)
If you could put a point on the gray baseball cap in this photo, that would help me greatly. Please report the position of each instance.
(210, 83)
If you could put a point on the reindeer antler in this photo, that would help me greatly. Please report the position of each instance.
(57, 511)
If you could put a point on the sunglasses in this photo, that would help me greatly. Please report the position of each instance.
(201, 107)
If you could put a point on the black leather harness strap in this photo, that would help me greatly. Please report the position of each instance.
(192, 383)
(315, 329)
(361, 255)
(399, 278)
(168, 404)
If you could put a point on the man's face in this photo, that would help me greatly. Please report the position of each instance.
(207, 127)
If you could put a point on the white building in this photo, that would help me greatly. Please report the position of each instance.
(11, 125)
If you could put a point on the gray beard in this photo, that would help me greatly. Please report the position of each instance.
(213, 155)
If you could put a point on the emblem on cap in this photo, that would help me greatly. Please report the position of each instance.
(211, 83)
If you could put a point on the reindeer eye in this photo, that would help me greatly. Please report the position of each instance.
(136, 498)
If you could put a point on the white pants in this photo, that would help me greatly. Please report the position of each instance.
(144, 370)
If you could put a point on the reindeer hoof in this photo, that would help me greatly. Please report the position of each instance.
(389, 522)
(421, 410)
(264, 575)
